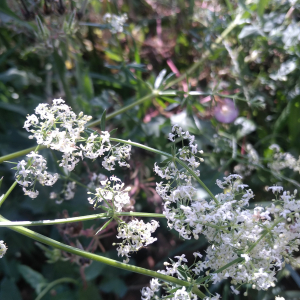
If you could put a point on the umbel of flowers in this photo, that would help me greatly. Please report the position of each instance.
(245, 245)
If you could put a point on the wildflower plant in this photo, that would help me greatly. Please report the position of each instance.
(247, 246)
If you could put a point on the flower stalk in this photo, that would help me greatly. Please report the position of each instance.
(55, 244)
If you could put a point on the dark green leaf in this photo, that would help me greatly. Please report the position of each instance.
(103, 118)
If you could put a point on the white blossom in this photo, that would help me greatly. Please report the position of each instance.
(3, 249)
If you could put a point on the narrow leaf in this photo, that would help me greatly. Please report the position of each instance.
(159, 78)
(104, 226)
(103, 118)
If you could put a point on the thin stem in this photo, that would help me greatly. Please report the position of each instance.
(55, 244)
(121, 110)
(236, 261)
(240, 259)
(80, 219)
(264, 234)
(54, 283)
(170, 156)
(19, 153)
(147, 97)
(8, 193)
(198, 179)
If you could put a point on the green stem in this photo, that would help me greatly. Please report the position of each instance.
(236, 261)
(170, 156)
(147, 97)
(8, 193)
(240, 259)
(89, 125)
(198, 179)
(19, 153)
(55, 244)
(80, 219)
(54, 283)
(264, 234)
(121, 110)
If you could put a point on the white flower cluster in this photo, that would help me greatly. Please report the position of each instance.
(3, 249)
(116, 22)
(136, 234)
(172, 291)
(97, 146)
(59, 128)
(186, 153)
(234, 232)
(29, 172)
(113, 194)
(251, 164)
(282, 160)
(260, 240)
(67, 193)
(182, 194)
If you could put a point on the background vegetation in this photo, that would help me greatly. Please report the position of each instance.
(51, 49)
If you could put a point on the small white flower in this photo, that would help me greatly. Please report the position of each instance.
(3, 249)
(275, 189)
(234, 290)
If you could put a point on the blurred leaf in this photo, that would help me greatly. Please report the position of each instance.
(115, 285)
(136, 66)
(294, 121)
(91, 292)
(14, 108)
(112, 55)
(159, 79)
(7, 11)
(43, 32)
(161, 103)
(114, 81)
(101, 26)
(285, 69)
(94, 270)
(282, 119)
(170, 100)
(34, 278)
(261, 6)
(88, 87)
(9, 290)
(103, 118)
(247, 126)
(294, 274)
(249, 30)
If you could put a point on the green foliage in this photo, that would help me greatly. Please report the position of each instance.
(48, 51)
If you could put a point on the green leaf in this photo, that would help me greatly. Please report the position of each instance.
(34, 278)
(9, 290)
(115, 285)
(294, 121)
(103, 118)
(7, 11)
(159, 79)
(94, 270)
(88, 87)
(170, 100)
(247, 126)
(14, 108)
(182, 272)
(261, 6)
(161, 103)
(112, 132)
(113, 56)
(249, 30)
(91, 292)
